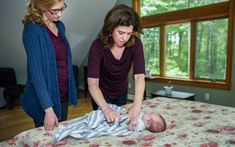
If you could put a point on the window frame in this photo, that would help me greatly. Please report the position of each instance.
(192, 15)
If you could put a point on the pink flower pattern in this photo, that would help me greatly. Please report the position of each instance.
(129, 142)
(210, 144)
(189, 123)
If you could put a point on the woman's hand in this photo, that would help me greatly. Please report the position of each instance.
(110, 114)
(132, 124)
(133, 114)
(50, 119)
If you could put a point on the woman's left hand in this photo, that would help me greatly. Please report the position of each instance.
(133, 114)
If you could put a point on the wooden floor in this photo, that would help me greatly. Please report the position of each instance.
(14, 121)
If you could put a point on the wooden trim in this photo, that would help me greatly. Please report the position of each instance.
(162, 52)
(136, 6)
(230, 41)
(197, 13)
(189, 82)
(192, 50)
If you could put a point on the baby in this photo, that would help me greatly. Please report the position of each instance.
(94, 124)
(148, 120)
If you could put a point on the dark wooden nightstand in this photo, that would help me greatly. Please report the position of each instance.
(174, 94)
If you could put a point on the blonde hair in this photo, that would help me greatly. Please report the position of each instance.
(35, 8)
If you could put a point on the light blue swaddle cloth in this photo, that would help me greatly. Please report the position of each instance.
(94, 124)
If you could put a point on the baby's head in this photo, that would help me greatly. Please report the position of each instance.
(154, 122)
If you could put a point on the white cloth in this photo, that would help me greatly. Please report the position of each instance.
(94, 124)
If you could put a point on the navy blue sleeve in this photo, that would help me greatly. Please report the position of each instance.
(31, 43)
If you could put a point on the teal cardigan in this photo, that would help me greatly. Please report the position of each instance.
(42, 89)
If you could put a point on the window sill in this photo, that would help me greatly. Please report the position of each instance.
(198, 83)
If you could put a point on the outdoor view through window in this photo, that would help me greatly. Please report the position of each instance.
(182, 42)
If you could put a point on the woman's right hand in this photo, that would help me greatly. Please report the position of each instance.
(110, 114)
(50, 119)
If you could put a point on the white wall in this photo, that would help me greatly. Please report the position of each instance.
(83, 20)
(11, 52)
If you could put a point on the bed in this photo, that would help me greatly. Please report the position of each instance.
(189, 123)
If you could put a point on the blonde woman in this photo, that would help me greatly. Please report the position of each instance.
(50, 84)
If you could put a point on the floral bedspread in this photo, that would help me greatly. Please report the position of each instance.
(189, 123)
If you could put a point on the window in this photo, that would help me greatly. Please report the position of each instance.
(149, 7)
(176, 50)
(211, 47)
(151, 45)
(188, 42)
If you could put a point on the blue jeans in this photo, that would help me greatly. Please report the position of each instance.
(121, 100)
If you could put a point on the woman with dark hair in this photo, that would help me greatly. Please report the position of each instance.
(110, 59)
(50, 84)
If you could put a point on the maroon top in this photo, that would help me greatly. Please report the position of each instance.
(61, 54)
(113, 73)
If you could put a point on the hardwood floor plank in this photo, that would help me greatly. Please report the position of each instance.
(14, 121)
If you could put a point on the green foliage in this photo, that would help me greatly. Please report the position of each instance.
(211, 47)
(151, 45)
(149, 7)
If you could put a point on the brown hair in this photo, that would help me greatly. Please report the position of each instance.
(152, 127)
(34, 10)
(120, 15)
